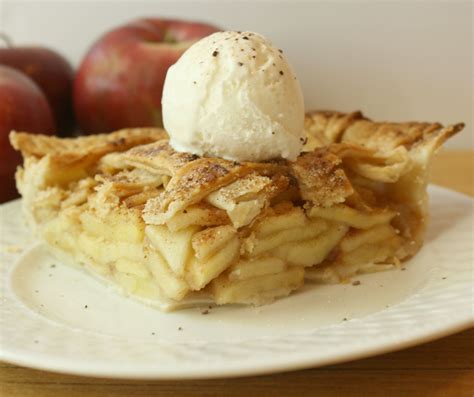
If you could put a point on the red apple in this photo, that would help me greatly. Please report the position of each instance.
(120, 81)
(23, 107)
(52, 73)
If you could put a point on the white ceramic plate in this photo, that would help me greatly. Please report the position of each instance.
(57, 318)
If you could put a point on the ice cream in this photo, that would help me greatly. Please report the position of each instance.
(234, 95)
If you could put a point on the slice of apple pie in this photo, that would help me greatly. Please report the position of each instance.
(173, 228)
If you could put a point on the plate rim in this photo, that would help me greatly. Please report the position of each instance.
(293, 364)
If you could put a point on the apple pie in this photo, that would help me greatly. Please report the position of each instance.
(173, 228)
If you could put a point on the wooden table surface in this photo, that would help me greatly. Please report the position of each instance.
(444, 368)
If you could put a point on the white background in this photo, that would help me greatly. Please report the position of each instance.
(402, 60)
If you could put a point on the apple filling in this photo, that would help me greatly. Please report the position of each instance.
(252, 266)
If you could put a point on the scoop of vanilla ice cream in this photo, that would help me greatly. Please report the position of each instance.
(234, 95)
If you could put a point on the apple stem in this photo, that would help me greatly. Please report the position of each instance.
(6, 40)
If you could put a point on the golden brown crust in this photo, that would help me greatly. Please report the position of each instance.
(357, 155)
(158, 157)
(352, 143)
(321, 178)
(194, 181)
(326, 127)
(85, 149)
